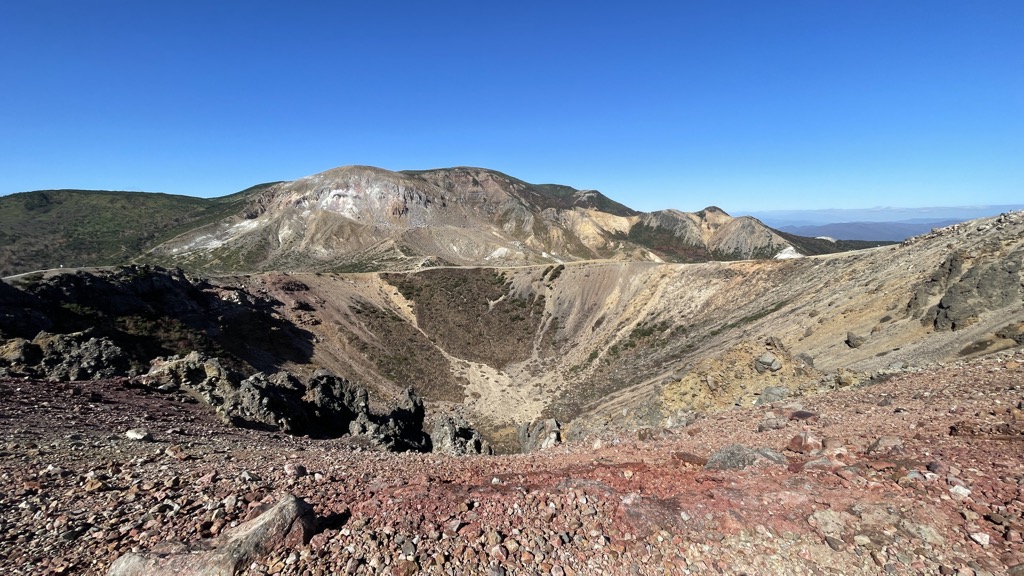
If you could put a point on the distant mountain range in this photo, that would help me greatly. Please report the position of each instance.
(360, 218)
(875, 224)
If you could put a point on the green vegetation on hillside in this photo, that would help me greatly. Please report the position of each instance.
(473, 311)
(664, 243)
(815, 246)
(76, 228)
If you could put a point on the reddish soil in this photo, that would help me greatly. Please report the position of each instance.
(921, 474)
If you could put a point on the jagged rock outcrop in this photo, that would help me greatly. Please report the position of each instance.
(539, 435)
(274, 400)
(452, 435)
(336, 405)
(63, 357)
(988, 285)
(399, 430)
(288, 524)
(194, 371)
(326, 406)
(966, 287)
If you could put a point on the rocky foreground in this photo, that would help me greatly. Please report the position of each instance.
(920, 474)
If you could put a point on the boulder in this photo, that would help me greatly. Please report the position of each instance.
(289, 524)
(772, 394)
(272, 401)
(77, 356)
(738, 457)
(854, 340)
(766, 362)
(453, 436)
(539, 435)
(806, 358)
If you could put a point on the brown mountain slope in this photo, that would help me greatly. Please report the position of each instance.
(599, 343)
(359, 218)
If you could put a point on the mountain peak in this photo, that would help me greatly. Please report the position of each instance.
(712, 211)
(362, 218)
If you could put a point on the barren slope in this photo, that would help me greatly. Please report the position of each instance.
(357, 218)
(518, 343)
(918, 475)
(600, 343)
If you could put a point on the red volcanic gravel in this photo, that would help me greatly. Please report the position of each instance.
(920, 474)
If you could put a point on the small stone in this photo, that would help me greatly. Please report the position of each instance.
(886, 445)
(805, 443)
(406, 568)
(960, 492)
(854, 340)
(408, 548)
(294, 470)
(996, 518)
(176, 451)
(771, 423)
(835, 543)
(95, 485)
(981, 538)
(139, 435)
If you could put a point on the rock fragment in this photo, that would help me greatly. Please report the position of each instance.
(288, 524)
(139, 434)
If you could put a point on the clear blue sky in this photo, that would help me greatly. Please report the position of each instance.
(747, 105)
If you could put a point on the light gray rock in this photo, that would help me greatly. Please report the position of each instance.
(738, 457)
(768, 361)
(289, 524)
(772, 394)
(454, 436)
(139, 434)
(539, 435)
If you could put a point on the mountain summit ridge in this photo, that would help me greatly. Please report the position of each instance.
(356, 217)
(364, 218)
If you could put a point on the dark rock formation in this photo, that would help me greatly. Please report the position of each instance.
(539, 435)
(988, 284)
(63, 357)
(326, 406)
(274, 401)
(454, 436)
